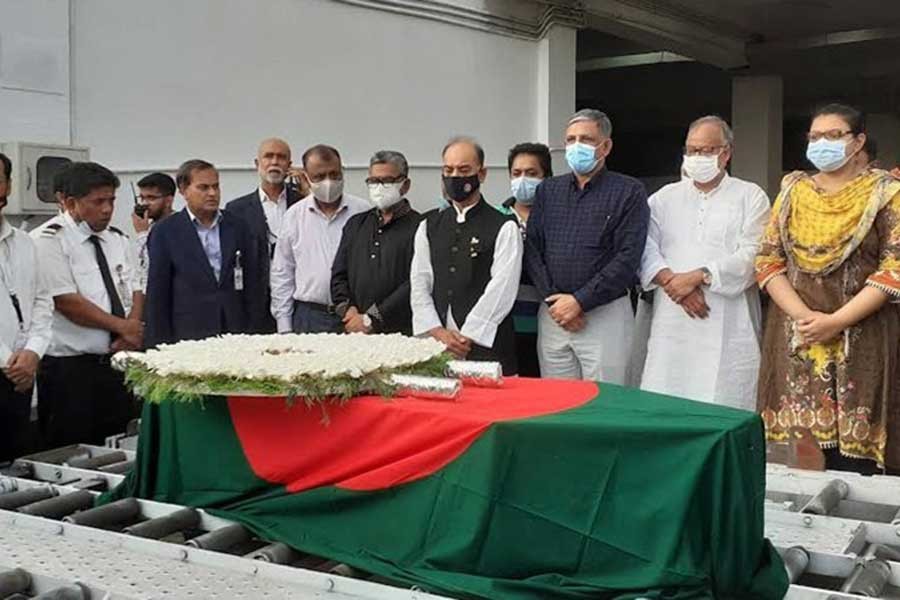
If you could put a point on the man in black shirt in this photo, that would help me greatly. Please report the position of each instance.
(370, 275)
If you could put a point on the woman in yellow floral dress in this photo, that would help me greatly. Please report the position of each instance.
(830, 261)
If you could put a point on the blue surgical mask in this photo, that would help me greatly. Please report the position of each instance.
(827, 155)
(523, 189)
(580, 157)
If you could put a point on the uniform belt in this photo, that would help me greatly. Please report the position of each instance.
(103, 359)
(328, 309)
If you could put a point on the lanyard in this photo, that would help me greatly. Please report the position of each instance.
(6, 280)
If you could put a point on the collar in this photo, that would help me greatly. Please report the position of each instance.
(282, 197)
(400, 210)
(314, 207)
(81, 230)
(197, 223)
(6, 230)
(595, 179)
(713, 191)
(463, 213)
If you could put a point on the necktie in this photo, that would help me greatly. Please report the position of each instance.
(115, 302)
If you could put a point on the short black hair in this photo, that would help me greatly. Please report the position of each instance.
(7, 165)
(323, 151)
(161, 181)
(871, 148)
(186, 171)
(539, 151)
(462, 139)
(60, 178)
(854, 117)
(82, 178)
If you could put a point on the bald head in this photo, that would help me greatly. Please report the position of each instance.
(273, 159)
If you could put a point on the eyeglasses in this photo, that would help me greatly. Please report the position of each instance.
(703, 150)
(832, 135)
(384, 180)
(150, 197)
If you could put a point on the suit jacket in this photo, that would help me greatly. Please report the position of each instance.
(249, 209)
(184, 300)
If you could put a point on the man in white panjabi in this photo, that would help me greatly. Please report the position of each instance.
(703, 238)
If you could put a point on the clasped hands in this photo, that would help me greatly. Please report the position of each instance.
(20, 369)
(685, 290)
(818, 328)
(353, 322)
(130, 335)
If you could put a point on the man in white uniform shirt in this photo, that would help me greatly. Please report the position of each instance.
(307, 244)
(703, 238)
(26, 315)
(87, 268)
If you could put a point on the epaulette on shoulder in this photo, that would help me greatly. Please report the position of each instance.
(117, 230)
(51, 229)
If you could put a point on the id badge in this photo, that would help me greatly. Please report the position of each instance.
(121, 286)
(238, 272)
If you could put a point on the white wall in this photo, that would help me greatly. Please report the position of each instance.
(155, 84)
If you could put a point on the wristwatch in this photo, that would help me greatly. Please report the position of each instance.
(367, 321)
(707, 276)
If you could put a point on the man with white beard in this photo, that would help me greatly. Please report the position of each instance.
(699, 257)
(263, 209)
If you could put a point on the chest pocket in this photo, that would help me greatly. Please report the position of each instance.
(89, 282)
(720, 227)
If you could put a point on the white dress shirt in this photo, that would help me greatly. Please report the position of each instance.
(211, 240)
(274, 211)
(19, 277)
(69, 266)
(720, 230)
(495, 302)
(304, 254)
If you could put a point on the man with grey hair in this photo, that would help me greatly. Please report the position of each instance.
(703, 239)
(370, 275)
(584, 242)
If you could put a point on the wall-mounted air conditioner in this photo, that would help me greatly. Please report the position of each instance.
(33, 168)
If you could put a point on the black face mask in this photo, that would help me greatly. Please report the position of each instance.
(460, 188)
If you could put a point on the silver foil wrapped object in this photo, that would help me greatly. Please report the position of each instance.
(476, 373)
(432, 388)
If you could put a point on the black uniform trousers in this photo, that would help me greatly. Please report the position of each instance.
(15, 416)
(82, 399)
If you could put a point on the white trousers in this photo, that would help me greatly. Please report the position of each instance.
(601, 351)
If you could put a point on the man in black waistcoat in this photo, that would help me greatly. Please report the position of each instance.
(466, 265)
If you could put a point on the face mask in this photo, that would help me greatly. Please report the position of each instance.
(701, 169)
(827, 155)
(523, 189)
(385, 195)
(327, 191)
(580, 157)
(460, 188)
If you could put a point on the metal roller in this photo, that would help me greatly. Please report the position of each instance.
(14, 582)
(69, 592)
(94, 484)
(221, 539)
(8, 485)
(60, 506)
(796, 560)
(277, 553)
(868, 579)
(896, 520)
(828, 498)
(126, 510)
(345, 570)
(160, 527)
(119, 468)
(14, 500)
(61, 455)
(95, 462)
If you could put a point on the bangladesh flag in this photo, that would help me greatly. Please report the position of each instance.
(540, 490)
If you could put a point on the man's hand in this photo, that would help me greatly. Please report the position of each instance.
(682, 284)
(131, 332)
(564, 308)
(21, 369)
(694, 304)
(353, 322)
(576, 324)
(140, 224)
(818, 328)
(457, 344)
(663, 278)
(896, 172)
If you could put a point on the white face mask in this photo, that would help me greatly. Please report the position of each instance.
(327, 191)
(701, 169)
(385, 195)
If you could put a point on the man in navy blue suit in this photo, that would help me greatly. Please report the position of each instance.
(263, 209)
(205, 271)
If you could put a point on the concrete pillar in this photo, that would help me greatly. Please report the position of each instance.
(556, 90)
(884, 128)
(757, 120)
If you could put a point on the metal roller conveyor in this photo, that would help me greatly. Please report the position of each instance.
(109, 515)
(69, 592)
(60, 506)
(277, 553)
(220, 540)
(15, 500)
(118, 468)
(828, 498)
(99, 460)
(160, 527)
(796, 560)
(14, 582)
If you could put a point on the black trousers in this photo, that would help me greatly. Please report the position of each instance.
(82, 399)
(15, 414)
